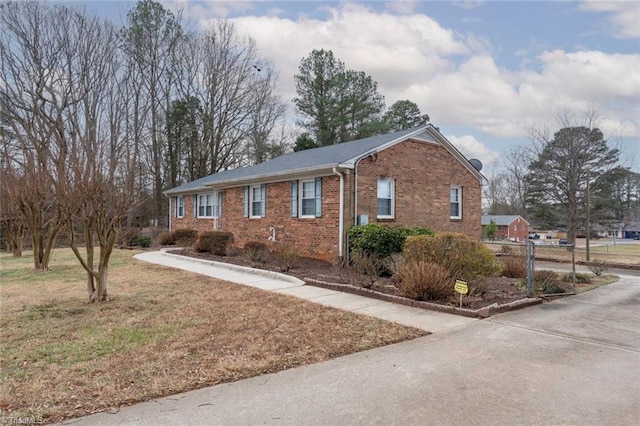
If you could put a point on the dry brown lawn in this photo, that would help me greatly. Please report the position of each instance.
(164, 331)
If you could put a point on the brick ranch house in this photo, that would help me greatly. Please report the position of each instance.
(510, 227)
(309, 199)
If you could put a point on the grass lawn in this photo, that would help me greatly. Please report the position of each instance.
(164, 331)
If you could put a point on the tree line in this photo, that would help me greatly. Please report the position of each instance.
(98, 120)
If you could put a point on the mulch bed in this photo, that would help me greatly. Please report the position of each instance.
(493, 291)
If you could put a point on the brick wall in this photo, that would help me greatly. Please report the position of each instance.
(423, 175)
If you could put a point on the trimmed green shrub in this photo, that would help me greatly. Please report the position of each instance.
(215, 242)
(381, 240)
(422, 280)
(185, 237)
(166, 238)
(143, 241)
(514, 267)
(461, 255)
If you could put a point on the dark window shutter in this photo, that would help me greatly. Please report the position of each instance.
(263, 192)
(219, 203)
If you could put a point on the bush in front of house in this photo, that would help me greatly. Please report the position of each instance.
(374, 239)
(256, 252)
(166, 238)
(215, 242)
(514, 267)
(127, 236)
(285, 256)
(463, 256)
(421, 280)
(185, 237)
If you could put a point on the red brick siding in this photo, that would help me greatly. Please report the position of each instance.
(423, 175)
(313, 237)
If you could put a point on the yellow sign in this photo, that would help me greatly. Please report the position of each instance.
(461, 287)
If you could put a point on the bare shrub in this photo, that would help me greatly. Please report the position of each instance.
(422, 280)
(597, 266)
(394, 264)
(514, 267)
(368, 267)
(256, 252)
(285, 256)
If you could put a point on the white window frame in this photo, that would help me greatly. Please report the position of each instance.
(301, 198)
(209, 199)
(388, 181)
(458, 201)
(179, 206)
(252, 192)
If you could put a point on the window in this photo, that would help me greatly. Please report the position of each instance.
(306, 198)
(179, 206)
(255, 198)
(455, 200)
(209, 204)
(385, 198)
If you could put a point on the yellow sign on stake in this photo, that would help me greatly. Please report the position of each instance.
(461, 287)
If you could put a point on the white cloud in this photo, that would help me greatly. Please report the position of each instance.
(624, 19)
(452, 77)
(404, 7)
(472, 148)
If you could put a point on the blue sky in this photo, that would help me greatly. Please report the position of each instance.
(484, 71)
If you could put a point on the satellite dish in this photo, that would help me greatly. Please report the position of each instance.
(477, 164)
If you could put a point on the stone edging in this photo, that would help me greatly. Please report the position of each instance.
(485, 312)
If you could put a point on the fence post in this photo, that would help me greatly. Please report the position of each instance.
(530, 267)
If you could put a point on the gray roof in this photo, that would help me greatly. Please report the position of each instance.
(343, 155)
(500, 219)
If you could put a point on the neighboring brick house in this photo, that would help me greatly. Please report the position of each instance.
(309, 199)
(510, 227)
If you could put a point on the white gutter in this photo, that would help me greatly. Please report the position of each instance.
(341, 214)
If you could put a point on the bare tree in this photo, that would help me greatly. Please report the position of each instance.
(150, 41)
(34, 95)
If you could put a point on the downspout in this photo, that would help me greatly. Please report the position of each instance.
(341, 214)
(355, 185)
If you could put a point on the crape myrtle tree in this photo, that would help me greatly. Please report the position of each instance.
(561, 169)
(66, 158)
(34, 94)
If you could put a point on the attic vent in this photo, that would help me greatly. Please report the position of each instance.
(477, 164)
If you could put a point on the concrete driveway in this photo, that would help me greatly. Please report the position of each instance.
(571, 361)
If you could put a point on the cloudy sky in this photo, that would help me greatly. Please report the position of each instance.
(484, 71)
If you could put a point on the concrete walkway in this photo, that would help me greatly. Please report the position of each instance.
(431, 321)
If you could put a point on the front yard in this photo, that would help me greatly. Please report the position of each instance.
(164, 331)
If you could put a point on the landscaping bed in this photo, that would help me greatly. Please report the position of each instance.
(493, 295)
